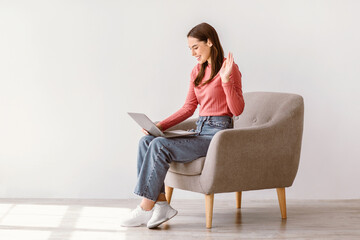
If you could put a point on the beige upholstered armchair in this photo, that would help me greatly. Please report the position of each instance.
(262, 151)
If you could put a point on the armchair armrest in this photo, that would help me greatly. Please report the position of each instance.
(259, 157)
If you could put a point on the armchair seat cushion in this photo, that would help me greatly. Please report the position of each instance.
(189, 169)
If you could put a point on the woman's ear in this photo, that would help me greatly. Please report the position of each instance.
(209, 43)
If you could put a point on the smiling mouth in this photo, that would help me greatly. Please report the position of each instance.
(198, 58)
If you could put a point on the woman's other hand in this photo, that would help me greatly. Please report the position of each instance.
(226, 68)
(145, 132)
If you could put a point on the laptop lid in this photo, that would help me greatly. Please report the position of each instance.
(146, 124)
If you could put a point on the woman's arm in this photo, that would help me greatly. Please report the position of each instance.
(233, 92)
(231, 83)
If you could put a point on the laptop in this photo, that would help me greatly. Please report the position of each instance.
(149, 126)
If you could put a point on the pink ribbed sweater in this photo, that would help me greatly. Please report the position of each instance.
(215, 98)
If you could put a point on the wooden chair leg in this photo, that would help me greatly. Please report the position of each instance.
(209, 205)
(282, 201)
(168, 193)
(238, 199)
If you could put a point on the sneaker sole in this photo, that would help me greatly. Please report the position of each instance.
(154, 225)
(133, 225)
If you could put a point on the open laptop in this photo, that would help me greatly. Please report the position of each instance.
(149, 126)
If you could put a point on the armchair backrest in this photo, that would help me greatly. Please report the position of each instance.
(262, 108)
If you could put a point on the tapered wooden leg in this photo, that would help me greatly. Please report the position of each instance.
(209, 205)
(168, 193)
(282, 201)
(238, 199)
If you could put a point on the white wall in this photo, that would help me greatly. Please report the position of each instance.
(69, 71)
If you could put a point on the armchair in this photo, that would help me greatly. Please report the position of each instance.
(262, 151)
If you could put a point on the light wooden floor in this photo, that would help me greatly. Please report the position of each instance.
(49, 219)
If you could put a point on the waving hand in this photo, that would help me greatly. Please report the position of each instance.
(226, 68)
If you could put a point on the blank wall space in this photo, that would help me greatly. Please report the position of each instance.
(70, 70)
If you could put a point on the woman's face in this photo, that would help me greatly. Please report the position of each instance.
(199, 49)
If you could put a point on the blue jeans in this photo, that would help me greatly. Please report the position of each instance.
(156, 153)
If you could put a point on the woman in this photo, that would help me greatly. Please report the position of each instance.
(216, 85)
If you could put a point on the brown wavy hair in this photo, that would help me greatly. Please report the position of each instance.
(203, 32)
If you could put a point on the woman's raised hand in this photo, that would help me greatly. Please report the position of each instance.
(226, 68)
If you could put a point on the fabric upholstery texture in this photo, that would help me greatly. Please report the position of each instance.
(190, 169)
(262, 150)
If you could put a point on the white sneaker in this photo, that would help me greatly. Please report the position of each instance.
(162, 213)
(137, 217)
